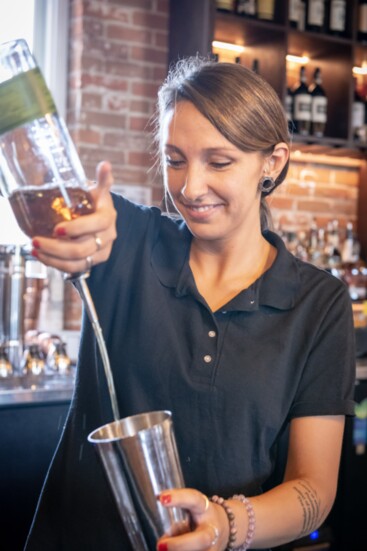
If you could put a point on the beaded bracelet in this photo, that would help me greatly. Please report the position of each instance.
(251, 521)
(231, 520)
(232, 524)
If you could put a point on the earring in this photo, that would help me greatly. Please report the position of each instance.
(266, 185)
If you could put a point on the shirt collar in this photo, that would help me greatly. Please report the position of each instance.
(278, 287)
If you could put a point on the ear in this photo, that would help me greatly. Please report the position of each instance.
(275, 163)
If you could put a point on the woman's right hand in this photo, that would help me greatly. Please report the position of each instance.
(85, 241)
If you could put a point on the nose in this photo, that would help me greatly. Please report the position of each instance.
(194, 187)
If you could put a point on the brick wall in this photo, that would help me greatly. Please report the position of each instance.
(118, 58)
(319, 188)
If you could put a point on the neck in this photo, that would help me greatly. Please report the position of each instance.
(219, 262)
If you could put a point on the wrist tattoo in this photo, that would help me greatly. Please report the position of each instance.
(310, 503)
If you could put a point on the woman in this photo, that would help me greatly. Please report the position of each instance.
(210, 317)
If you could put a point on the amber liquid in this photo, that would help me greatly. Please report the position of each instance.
(38, 210)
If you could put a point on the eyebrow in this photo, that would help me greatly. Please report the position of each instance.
(170, 147)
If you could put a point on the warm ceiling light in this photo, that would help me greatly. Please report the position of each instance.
(228, 46)
(297, 59)
(360, 70)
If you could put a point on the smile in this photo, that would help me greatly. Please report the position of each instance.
(201, 212)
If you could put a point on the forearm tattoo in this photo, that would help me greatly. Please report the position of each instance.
(311, 504)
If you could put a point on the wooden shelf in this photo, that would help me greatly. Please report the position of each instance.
(269, 43)
(194, 25)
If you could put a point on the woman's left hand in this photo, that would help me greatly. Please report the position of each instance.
(210, 524)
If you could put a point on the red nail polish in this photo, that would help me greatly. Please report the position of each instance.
(162, 546)
(165, 499)
(36, 243)
(60, 232)
(34, 253)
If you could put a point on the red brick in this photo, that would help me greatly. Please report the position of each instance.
(150, 20)
(127, 34)
(141, 106)
(104, 81)
(161, 39)
(138, 123)
(138, 158)
(280, 203)
(148, 54)
(104, 120)
(89, 136)
(162, 6)
(145, 89)
(91, 101)
(129, 176)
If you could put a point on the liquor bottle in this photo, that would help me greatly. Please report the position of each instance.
(332, 246)
(289, 106)
(42, 175)
(358, 113)
(293, 15)
(302, 105)
(337, 17)
(301, 26)
(315, 15)
(247, 8)
(313, 243)
(350, 249)
(255, 66)
(225, 5)
(318, 105)
(362, 21)
(265, 9)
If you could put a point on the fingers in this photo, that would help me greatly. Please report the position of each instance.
(84, 241)
(211, 525)
(69, 254)
(204, 537)
(186, 498)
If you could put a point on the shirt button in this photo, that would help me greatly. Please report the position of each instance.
(212, 334)
(207, 359)
(224, 311)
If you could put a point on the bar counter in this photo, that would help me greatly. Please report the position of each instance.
(32, 416)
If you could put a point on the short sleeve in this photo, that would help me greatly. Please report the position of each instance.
(327, 383)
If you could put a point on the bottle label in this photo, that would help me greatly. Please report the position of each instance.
(319, 109)
(265, 9)
(224, 5)
(24, 98)
(362, 25)
(289, 106)
(301, 15)
(248, 7)
(337, 15)
(293, 10)
(358, 113)
(302, 107)
(315, 13)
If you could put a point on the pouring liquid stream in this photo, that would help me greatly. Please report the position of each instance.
(37, 211)
(82, 287)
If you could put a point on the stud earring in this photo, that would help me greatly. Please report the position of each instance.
(266, 185)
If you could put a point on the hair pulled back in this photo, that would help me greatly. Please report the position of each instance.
(241, 105)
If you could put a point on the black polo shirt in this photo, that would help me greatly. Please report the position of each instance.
(233, 378)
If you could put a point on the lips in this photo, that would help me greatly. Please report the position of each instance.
(201, 212)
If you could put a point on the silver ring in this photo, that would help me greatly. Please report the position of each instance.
(98, 242)
(216, 535)
(89, 263)
(206, 503)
